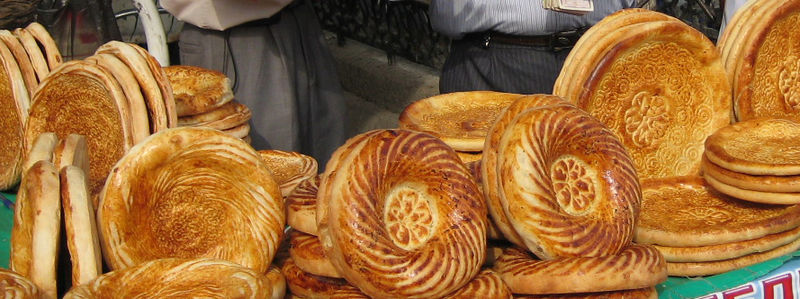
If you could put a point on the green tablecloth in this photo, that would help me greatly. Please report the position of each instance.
(6, 222)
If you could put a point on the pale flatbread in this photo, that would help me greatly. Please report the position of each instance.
(42, 148)
(301, 206)
(289, 168)
(80, 226)
(728, 250)
(238, 118)
(38, 61)
(24, 63)
(167, 94)
(140, 119)
(16, 286)
(44, 38)
(72, 150)
(240, 131)
(711, 268)
(219, 113)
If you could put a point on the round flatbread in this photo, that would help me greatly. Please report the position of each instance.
(191, 192)
(650, 114)
(490, 178)
(186, 278)
(687, 212)
(634, 267)
(307, 285)
(289, 168)
(239, 117)
(44, 38)
(307, 253)
(13, 115)
(80, 226)
(766, 77)
(728, 250)
(37, 223)
(754, 196)
(567, 185)
(24, 63)
(487, 284)
(140, 119)
(162, 81)
(198, 90)
(144, 75)
(460, 119)
(81, 103)
(35, 54)
(301, 206)
(717, 267)
(767, 183)
(240, 131)
(415, 208)
(643, 293)
(224, 111)
(765, 146)
(16, 286)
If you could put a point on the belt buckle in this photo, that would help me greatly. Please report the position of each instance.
(563, 40)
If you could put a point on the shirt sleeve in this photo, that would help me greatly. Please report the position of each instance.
(455, 18)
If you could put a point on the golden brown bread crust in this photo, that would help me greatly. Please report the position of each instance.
(36, 230)
(489, 176)
(241, 116)
(156, 106)
(198, 90)
(728, 250)
(567, 185)
(43, 149)
(651, 114)
(765, 83)
(240, 131)
(50, 48)
(686, 212)
(642, 293)
(24, 63)
(634, 267)
(301, 206)
(460, 119)
(767, 183)
(307, 285)
(80, 226)
(781, 198)
(289, 168)
(181, 278)
(226, 110)
(308, 255)
(84, 105)
(716, 267)
(401, 217)
(467, 157)
(594, 44)
(487, 284)
(13, 114)
(38, 61)
(17, 286)
(72, 151)
(764, 146)
(191, 192)
(162, 81)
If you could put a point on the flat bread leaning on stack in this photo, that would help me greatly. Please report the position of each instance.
(301, 206)
(14, 105)
(26, 68)
(755, 160)
(289, 168)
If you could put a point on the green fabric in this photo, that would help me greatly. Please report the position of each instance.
(6, 222)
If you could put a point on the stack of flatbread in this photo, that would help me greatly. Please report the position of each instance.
(26, 57)
(703, 232)
(460, 119)
(756, 160)
(204, 98)
(656, 82)
(54, 177)
(409, 228)
(562, 188)
(761, 54)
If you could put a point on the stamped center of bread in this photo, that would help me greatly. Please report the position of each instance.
(647, 118)
(789, 83)
(574, 184)
(409, 216)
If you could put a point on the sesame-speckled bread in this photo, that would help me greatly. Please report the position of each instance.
(198, 90)
(686, 211)
(400, 203)
(635, 267)
(567, 185)
(16, 286)
(488, 166)
(661, 120)
(301, 206)
(289, 168)
(308, 255)
(14, 103)
(766, 71)
(764, 146)
(183, 278)
(23, 62)
(460, 119)
(140, 119)
(191, 192)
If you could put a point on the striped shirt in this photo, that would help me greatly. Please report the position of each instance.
(455, 18)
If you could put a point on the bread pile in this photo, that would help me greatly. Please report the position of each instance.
(755, 160)
(760, 53)
(703, 232)
(649, 77)
(204, 98)
(289, 169)
(26, 56)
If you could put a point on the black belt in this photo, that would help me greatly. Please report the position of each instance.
(554, 42)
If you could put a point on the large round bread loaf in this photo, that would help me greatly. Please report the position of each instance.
(14, 105)
(764, 146)
(400, 216)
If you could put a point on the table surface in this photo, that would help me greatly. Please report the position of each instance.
(674, 287)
